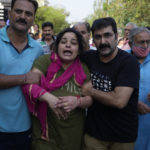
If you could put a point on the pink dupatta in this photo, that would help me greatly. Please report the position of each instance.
(51, 83)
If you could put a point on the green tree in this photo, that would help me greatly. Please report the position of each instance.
(55, 15)
(123, 11)
(41, 2)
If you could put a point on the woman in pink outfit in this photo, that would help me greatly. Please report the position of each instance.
(56, 104)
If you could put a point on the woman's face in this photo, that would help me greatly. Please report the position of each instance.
(68, 47)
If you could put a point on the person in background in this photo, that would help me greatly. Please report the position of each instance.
(112, 120)
(36, 31)
(2, 23)
(36, 28)
(139, 40)
(30, 33)
(84, 29)
(123, 43)
(17, 53)
(36, 36)
(47, 37)
(57, 102)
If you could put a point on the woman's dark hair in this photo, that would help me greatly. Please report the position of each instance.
(34, 2)
(79, 39)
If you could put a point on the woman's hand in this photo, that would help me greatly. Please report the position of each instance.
(68, 103)
(52, 100)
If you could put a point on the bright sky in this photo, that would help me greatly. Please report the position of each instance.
(78, 9)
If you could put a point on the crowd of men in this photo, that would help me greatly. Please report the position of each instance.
(119, 116)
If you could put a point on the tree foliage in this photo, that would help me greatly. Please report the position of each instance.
(55, 15)
(123, 11)
(45, 2)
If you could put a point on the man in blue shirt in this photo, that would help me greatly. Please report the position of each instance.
(17, 53)
(139, 40)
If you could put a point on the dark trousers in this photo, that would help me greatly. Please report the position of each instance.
(15, 141)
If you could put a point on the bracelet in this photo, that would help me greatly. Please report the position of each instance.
(78, 100)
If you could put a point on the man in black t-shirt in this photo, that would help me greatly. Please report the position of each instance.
(112, 120)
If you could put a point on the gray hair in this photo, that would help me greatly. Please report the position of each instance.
(87, 25)
(132, 24)
(135, 31)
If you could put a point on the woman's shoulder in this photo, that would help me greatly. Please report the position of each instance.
(42, 63)
(45, 56)
(43, 59)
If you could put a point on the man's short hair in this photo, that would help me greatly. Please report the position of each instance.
(87, 25)
(34, 2)
(47, 24)
(103, 23)
(135, 31)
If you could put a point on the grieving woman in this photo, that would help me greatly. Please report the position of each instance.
(56, 104)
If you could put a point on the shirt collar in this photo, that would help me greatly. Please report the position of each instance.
(4, 37)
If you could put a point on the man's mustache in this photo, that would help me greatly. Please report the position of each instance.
(104, 46)
(47, 34)
(21, 21)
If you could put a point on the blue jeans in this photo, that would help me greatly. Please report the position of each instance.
(15, 141)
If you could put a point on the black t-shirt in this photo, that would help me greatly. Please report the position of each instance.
(105, 122)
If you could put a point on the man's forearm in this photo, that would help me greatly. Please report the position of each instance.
(8, 81)
(106, 98)
(117, 98)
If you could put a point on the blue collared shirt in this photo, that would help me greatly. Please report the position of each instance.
(142, 142)
(14, 114)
